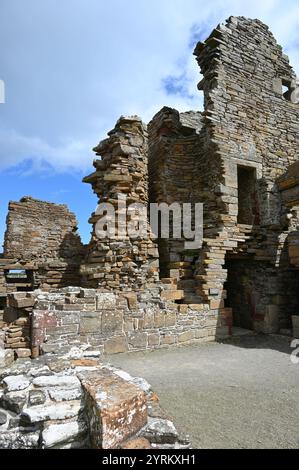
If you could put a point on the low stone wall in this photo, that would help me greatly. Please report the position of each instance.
(116, 323)
(74, 401)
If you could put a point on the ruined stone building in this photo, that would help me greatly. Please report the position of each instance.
(238, 157)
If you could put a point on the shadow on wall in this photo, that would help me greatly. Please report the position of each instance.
(72, 253)
(63, 270)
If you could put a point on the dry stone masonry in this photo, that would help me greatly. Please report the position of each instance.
(123, 293)
(238, 158)
(42, 239)
(122, 263)
(74, 401)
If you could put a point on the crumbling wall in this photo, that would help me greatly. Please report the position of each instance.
(251, 123)
(230, 158)
(123, 262)
(45, 235)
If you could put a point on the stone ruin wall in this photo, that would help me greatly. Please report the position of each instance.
(250, 123)
(187, 157)
(238, 157)
(123, 263)
(44, 235)
(42, 241)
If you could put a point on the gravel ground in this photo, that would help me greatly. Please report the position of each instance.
(242, 393)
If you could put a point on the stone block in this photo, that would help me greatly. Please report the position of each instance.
(217, 303)
(186, 336)
(131, 299)
(23, 352)
(105, 301)
(138, 443)
(112, 322)
(128, 325)
(15, 383)
(167, 339)
(12, 439)
(137, 340)
(6, 358)
(117, 409)
(200, 333)
(90, 322)
(153, 339)
(197, 307)
(172, 295)
(170, 319)
(14, 401)
(58, 411)
(69, 318)
(24, 302)
(60, 433)
(3, 418)
(214, 291)
(160, 431)
(57, 381)
(183, 309)
(148, 318)
(63, 330)
(62, 394)
(296, 332)
(36, 397)
(87, 293)
(116, 345)
(159, 319)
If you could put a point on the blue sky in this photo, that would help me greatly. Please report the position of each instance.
(72, 67)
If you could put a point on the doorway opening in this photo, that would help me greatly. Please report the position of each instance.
(240, 294)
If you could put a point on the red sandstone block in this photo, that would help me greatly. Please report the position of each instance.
(117, 408)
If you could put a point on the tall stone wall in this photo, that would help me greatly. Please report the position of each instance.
(44, 235)
(124, 262)
(230, 159)
(249, 122)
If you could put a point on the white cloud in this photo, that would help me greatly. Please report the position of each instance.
(16, 148)
(72, 67)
